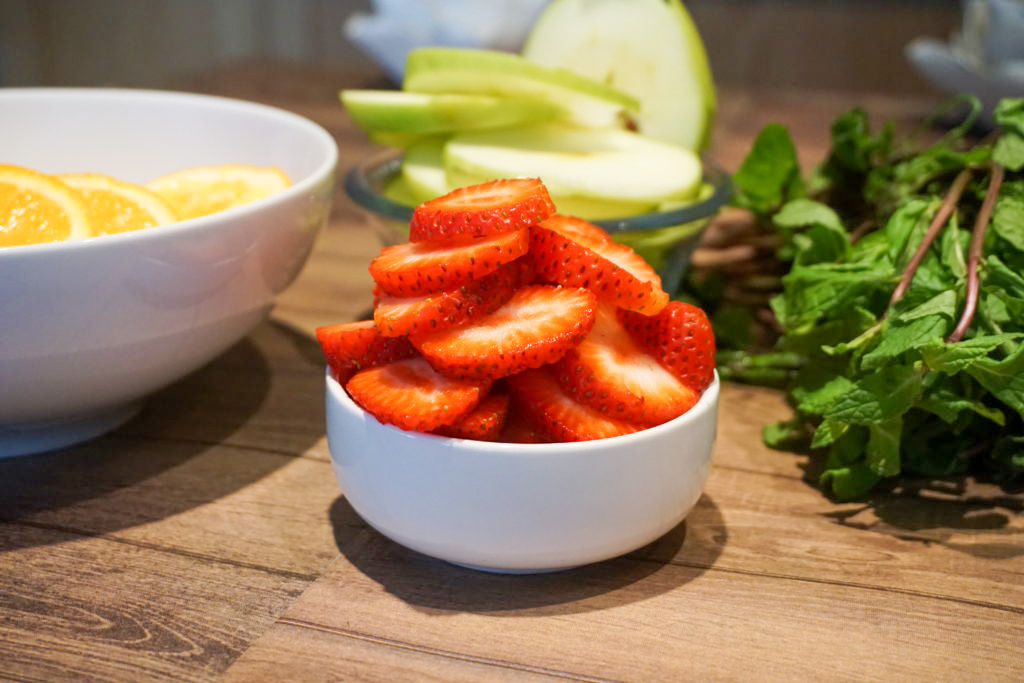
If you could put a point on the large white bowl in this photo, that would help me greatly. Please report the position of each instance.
(520, 507)
(90, 327)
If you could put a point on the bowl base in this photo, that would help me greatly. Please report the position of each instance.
(499, 570)
(39, 437)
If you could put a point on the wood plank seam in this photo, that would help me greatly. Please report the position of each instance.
(750, 470)
(848, 584)
(201, 442)
(84, 533)
(449, 654)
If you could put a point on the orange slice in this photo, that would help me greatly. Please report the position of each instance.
(204, 190)
(113, 205)
(38, 208)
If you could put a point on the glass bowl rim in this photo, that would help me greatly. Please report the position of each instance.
(361, 178)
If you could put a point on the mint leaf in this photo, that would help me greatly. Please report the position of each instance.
(1009, 147)
(823, 239)
(770, 175)
(812, 292)
(881, 396)
(827, 432)
(952, 358)
(1003, 378)
(906, 227)
(850, 482)
(883, 453)
(1008, 217)
(817, 401)
(944, 401)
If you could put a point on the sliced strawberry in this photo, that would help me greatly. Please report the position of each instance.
(398, 316)
(680, 337)
(574, 253)
(418, 268)
(484, 423)
(413, 396)
(486, 209)
(520, 430)
(609, 372)
(350, 347)
(538, 397)
(533, 328)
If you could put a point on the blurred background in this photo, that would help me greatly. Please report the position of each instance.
(846, 45)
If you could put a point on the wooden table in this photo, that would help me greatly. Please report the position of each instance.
(209, 537)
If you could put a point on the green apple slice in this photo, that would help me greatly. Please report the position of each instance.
(649, 49)
(423, 170)
(411, 112)
(608, 164)
(579, 100)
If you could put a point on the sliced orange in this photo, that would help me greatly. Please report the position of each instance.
(115, 206)
(38, 208)
(204, 190)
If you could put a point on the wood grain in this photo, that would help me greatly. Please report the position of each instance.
(208, 536)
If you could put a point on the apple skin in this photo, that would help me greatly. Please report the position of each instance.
(608, 164)
(580, 101)
(650, 49)
(394, 111)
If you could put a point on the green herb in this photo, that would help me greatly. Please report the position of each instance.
(901, 305)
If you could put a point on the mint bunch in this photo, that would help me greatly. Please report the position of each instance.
(901, 307)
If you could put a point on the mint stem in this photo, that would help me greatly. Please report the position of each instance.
(949, 203)
(974, 258)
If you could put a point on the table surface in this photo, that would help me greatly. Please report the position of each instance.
(208, 538)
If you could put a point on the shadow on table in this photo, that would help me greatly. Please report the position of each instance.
(961, 514)
(425, 583)
(166, 460)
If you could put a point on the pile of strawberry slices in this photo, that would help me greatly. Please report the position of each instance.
(503, 321)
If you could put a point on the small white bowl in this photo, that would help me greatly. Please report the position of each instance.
(520, 508)
(90, 327)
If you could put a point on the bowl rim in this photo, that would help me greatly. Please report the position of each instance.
(303, 186)
(707, 403)
(361, 178)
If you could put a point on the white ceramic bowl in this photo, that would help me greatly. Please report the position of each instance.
(90, 327)
(520, 507)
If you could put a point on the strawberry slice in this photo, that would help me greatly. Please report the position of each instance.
(350, 347)
(520, 430)
(574, 253)
(398, 316)
(681, 338)
(609, 372)
(413, 396)
(536, 326)
(484, 423)
(538, 397)
(418, 268)
(486, 209)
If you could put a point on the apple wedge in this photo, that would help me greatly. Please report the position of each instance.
(423, 170)
(649, 49)
(395, 111)
(579, 100)
(609, 164)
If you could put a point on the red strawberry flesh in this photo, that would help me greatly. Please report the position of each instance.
(485, 209)
(397, 316)
(418, 268)
(574, 253)
(538, 397)
(536, 326)
(484, 423)
(681, 338)
(413, 396)
(609, 372)
(350, 347)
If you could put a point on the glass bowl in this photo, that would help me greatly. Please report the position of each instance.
(666, 239)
